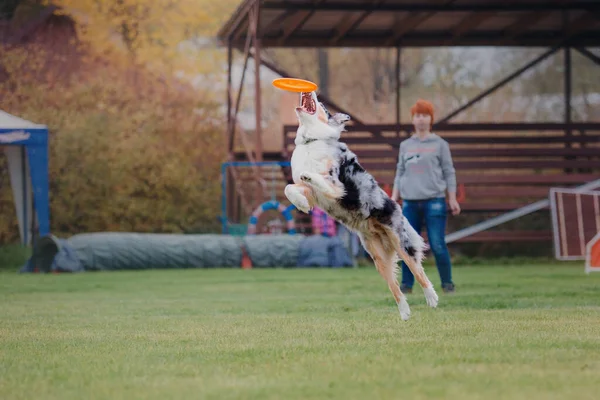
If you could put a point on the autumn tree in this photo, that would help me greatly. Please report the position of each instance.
(133, 146)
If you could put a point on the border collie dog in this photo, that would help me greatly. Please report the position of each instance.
(328, 175)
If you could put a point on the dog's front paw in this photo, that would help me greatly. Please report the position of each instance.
(297, 199)
(302, 205)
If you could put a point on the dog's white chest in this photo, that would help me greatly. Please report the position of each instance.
(314, 157)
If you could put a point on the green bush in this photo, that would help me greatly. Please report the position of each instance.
(128, 152)
(13, 257)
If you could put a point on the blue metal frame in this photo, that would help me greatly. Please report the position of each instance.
(36, 147)
(224, 219)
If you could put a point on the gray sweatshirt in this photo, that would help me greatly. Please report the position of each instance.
(425, 168)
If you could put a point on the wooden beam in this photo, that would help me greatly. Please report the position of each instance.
(297, 21)
(484, 140)
(507, 236)
(511, 152)
(488, 179)
(407, 24)
(470, 22)
(534, 179)
(435, 6)
(226, 32)
(589, 38)
(507, 191)
(489, 153)
(413, 20)
(241, 88)
(580, 23)
(279, 21)
(229, 98)
(527, 21)
(347, 24)
(472, 192)
(479, 126)
(490, 165)
(242, 30)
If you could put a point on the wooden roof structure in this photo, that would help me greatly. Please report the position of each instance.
(416, 23)
(500, 178)
(258, 24)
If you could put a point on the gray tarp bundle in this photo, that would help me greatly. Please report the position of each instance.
(126, 251)
(273, 250)
(318, 251)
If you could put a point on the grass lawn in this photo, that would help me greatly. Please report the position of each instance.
(522, 332)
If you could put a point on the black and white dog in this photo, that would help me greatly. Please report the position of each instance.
(328, 175)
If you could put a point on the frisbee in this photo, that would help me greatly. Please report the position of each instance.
(295, 85)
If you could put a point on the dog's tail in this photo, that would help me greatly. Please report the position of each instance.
(412, 242)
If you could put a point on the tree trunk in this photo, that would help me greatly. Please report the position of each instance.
(8, 8)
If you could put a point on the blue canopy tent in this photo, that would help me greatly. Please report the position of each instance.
(26, 147)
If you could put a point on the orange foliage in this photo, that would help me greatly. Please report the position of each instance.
(130, 148)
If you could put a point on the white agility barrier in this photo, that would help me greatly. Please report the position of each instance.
(575, 221)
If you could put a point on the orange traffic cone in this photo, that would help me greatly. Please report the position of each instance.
(246, 261)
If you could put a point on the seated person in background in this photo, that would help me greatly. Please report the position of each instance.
(322, 224)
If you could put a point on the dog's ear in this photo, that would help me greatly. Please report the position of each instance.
(341, 118)
(326, 110)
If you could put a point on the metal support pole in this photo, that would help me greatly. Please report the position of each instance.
(257, 94)
(567, 79)
(568, 85)
(224, 220)
(229, 102)
(240, 91)
(398, 85)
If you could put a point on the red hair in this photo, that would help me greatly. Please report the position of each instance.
(422, 107)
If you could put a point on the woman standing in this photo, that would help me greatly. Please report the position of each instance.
(424, 173)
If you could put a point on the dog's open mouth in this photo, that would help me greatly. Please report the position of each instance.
(307, 103)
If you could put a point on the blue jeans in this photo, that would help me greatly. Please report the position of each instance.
(433, 212)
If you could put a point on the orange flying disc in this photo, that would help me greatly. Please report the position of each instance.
(295, 85)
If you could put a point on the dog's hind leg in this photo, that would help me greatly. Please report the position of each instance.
(301, 196)
(384, 262)
(416, 268)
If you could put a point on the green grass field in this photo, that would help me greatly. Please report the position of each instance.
(522, 332)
